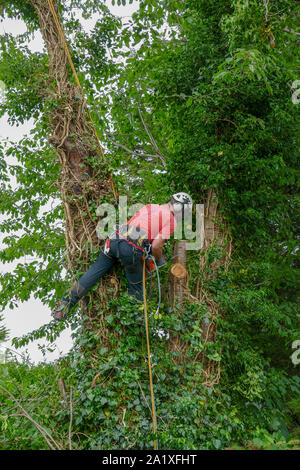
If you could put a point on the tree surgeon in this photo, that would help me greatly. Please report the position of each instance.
(145, 233)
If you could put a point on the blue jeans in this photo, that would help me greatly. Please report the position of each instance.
(131, 259)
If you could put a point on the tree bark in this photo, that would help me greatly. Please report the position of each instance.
(178, 275)
(177, 296)
(216, 235)
(84, 177)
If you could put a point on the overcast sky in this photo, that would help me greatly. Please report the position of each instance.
(32, 314)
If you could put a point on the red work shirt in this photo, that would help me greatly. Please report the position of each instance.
(154, 220)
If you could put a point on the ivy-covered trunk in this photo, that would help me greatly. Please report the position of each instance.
(215, 253)
(84, 180)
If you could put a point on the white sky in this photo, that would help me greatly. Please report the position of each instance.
(32, 314)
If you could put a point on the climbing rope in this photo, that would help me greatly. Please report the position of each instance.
(158, 284)
(149, 353)
(64, 43)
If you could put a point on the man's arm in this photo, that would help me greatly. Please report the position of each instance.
(157, 247)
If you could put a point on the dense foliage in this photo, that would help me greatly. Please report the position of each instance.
(187, 95)
(3, 331)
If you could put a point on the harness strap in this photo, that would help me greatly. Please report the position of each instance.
(128, 241)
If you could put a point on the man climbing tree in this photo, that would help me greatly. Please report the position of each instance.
(144, 235)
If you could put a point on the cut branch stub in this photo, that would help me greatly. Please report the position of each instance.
(178, 271)
(178, 274)
(177, 294)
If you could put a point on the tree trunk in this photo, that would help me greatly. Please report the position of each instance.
(216, 235)
(178, 275)
(177, 296)
(82, 183)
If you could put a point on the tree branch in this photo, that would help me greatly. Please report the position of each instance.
(291, 31)
(266, 3)
(152, 140)
(40, 428)
(132, 152)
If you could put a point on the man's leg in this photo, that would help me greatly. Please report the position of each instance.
(131, 259)
(134, 276)
(100, 267)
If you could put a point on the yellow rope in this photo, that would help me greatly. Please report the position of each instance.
(149, 354)
(64, 42)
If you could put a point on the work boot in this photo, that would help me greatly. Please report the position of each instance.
(60, 310)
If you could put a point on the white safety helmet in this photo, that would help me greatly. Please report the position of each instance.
(181, 202)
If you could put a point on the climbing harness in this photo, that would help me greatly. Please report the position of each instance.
(143, 245)
(135, 236)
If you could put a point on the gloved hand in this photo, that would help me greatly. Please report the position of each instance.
(163, 260)
(150, 266)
